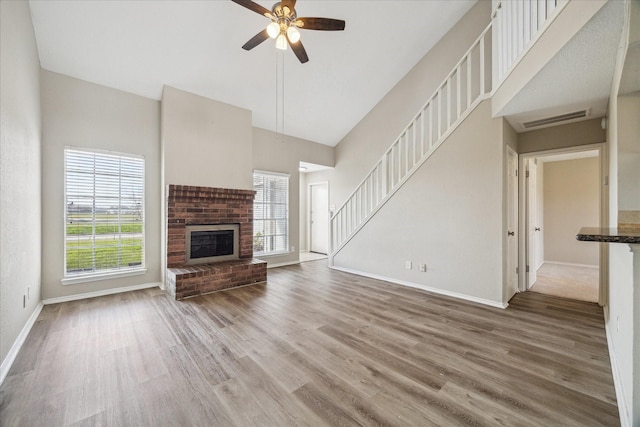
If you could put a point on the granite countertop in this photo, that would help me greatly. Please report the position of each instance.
(610, 235)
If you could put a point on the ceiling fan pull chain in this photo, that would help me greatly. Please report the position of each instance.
(277, 92)
(280, 95)
(283, 97)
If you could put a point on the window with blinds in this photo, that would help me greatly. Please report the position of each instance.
(104, 212)
(270, 213)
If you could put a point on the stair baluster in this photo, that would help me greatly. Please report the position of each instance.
(461, 91)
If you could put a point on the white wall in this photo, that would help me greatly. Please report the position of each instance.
(20, 176)
(621, 317)
(82, 114)
(571, 200)
(363, 146)
(570, 135)
(449, 215)
(629, 152)
(205, 142)
(273, 153)
(429, 226)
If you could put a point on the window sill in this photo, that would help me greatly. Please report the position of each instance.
(72, 280)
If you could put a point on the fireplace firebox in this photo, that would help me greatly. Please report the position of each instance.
(211, 243)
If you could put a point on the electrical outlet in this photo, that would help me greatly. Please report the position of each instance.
(293, 248)
(407, 265)
(423, 268)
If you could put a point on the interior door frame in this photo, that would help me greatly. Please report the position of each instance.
(516, 229)
(529, 181)
(309, 219)
(603, 295)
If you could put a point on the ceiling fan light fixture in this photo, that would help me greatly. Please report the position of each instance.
(293, 34)
(281, 42)
(284, 26)
(273, 30)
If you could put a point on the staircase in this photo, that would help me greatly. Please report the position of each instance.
(515, 28)
(461, 91)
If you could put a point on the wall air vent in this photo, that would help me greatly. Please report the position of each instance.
(557, 119)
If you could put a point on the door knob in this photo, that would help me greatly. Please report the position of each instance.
(511, 233)
(537, 229)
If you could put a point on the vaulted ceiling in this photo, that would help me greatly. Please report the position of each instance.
(139, 46)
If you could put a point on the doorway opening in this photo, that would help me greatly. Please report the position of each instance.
(314, 212)
(319, 218)
(512, 224)
(562, 193)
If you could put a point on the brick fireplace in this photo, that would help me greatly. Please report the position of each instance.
(187, 206)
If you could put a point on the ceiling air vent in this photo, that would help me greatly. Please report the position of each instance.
(557, 119)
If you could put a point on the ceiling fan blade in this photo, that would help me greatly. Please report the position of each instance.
(256, 40)
(291, 4)
(254, 6)
(299, 50)
(325, 24)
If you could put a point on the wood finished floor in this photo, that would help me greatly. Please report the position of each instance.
(312, 347)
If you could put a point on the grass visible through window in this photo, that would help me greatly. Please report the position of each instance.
(116, 245)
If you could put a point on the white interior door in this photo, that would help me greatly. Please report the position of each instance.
(533, 229)
(319, 217)
(512, 223)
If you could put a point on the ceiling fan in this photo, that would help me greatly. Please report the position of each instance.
(284, 26)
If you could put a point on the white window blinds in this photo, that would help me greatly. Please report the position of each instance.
(104, 212)
(270, 213)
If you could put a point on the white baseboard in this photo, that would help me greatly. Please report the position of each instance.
(424, 288)
(623, 411)
(282, 264)
(570, 264)
(17, 344)
(95, 294)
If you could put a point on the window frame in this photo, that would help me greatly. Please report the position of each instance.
(286, 250)
(104, 273)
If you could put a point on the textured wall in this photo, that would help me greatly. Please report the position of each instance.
(205, 142)
(275, 154)
(20, 245)
(82, 114)
(569, 135)
(363, 146)
(449, 216)
(571, 201)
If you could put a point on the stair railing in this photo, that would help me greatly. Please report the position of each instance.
(516, 26)
(461, 91)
